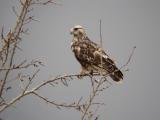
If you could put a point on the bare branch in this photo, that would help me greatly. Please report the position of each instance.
(22, 65)
(14, 35)
(100, 33)
(72, 105)
(45, 2)
(30, 81)
(129, 59)
(10, 43)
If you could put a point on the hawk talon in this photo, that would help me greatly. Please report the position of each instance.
(80, 76)
(91, 73)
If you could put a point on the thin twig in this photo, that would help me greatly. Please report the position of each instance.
(16, 33)
(130, 57)
(101, 43)
(30, 81)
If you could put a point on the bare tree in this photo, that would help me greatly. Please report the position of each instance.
(8, 48)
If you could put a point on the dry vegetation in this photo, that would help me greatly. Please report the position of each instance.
(9, 45)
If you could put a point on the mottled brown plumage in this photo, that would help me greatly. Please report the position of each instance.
(91, 56)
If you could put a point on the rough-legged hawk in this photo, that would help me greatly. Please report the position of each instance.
(92, 57)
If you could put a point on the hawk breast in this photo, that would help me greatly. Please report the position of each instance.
(84, 52)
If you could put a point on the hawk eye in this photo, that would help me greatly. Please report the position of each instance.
(75, 29)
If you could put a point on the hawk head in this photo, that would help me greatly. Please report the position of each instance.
(78, 32)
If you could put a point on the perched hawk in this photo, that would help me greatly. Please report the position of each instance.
(92, 57)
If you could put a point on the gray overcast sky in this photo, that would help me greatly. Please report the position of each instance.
(125, 23)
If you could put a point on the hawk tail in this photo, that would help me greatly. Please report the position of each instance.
(117, 75)
(114, 72)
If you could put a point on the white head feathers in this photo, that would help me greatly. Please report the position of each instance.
(77, 31)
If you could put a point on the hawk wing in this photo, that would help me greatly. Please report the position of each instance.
(89, 54)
